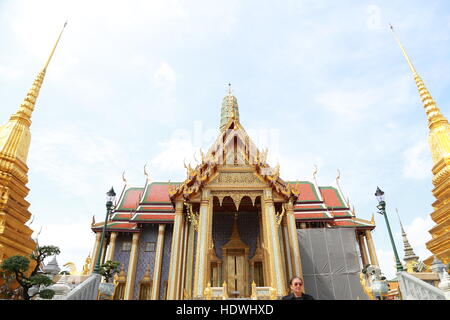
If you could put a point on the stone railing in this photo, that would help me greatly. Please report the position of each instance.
(87, 290)
(216, 293)
(263, 293)
(412, 288)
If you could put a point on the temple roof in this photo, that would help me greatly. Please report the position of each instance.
(233, 148)
(151, 204)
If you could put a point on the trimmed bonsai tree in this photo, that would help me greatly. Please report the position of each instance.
(109, 269)
(17, 266)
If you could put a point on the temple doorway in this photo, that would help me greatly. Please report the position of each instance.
(236, 244)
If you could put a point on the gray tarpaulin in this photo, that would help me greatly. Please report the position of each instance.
(330, 264)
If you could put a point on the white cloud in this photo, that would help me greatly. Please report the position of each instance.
(75, 240)
(173, 152)
(76, 161)
(351, 104)
(165, 76)
(373, 17)
(386, 260)
(8, 72)
(418, 162)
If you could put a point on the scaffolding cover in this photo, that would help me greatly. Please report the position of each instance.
(330, 263)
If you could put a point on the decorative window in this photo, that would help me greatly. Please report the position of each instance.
(150, 247)
(126, 246)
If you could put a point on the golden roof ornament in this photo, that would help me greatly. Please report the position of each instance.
(123, 178)
(230, 109)
(146, 173)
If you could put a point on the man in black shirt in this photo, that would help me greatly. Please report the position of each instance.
(297, 290)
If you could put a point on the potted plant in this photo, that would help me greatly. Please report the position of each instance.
(108, 270)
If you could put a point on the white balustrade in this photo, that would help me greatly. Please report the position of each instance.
(413, 288)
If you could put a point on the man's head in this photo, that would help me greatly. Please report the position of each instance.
(296, 285)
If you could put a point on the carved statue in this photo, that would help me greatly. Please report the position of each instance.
(86, 266)
(72, 268)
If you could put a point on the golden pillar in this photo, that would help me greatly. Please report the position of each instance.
(278, 275)
(95, 251)
(131, 274)
(293, 239)
(201, 259)
(372, 252)
(287, 248)
(157, 267)
(286, 263)
(111, 246)
(362, 249)
(266, 245)
(105, 247)
(183, 259)
(175, 254)
(190, 259)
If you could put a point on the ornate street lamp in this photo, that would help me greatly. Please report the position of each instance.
(110, 196)
(382, 207)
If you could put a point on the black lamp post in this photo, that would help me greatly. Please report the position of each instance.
(110, 196)
(382, 207)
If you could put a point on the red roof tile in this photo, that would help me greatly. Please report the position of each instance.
(157, 192)
(331, 197)
(307, 191)
(130, 199)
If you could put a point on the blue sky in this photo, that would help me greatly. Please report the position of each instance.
(142, 83)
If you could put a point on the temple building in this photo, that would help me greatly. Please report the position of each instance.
(439, 142)
(15, 235)
(235, 226)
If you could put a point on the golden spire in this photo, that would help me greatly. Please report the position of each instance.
(15, 134)
(27, 106)
(439, 127)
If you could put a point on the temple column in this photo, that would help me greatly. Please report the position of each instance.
(362, 249)
(287, 248)
(190, 259)
(263, 241)
(112, 246)
(175, 253)
(284, 248)
(131, 274)
(183, 258)
(157, 267)
(202, 245)
(95, 250)
(372, 252)
(293, 239)
(278, 275)
(265, 245)
(220, 281)
(105, 247)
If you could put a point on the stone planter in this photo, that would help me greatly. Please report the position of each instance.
(106, 291)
